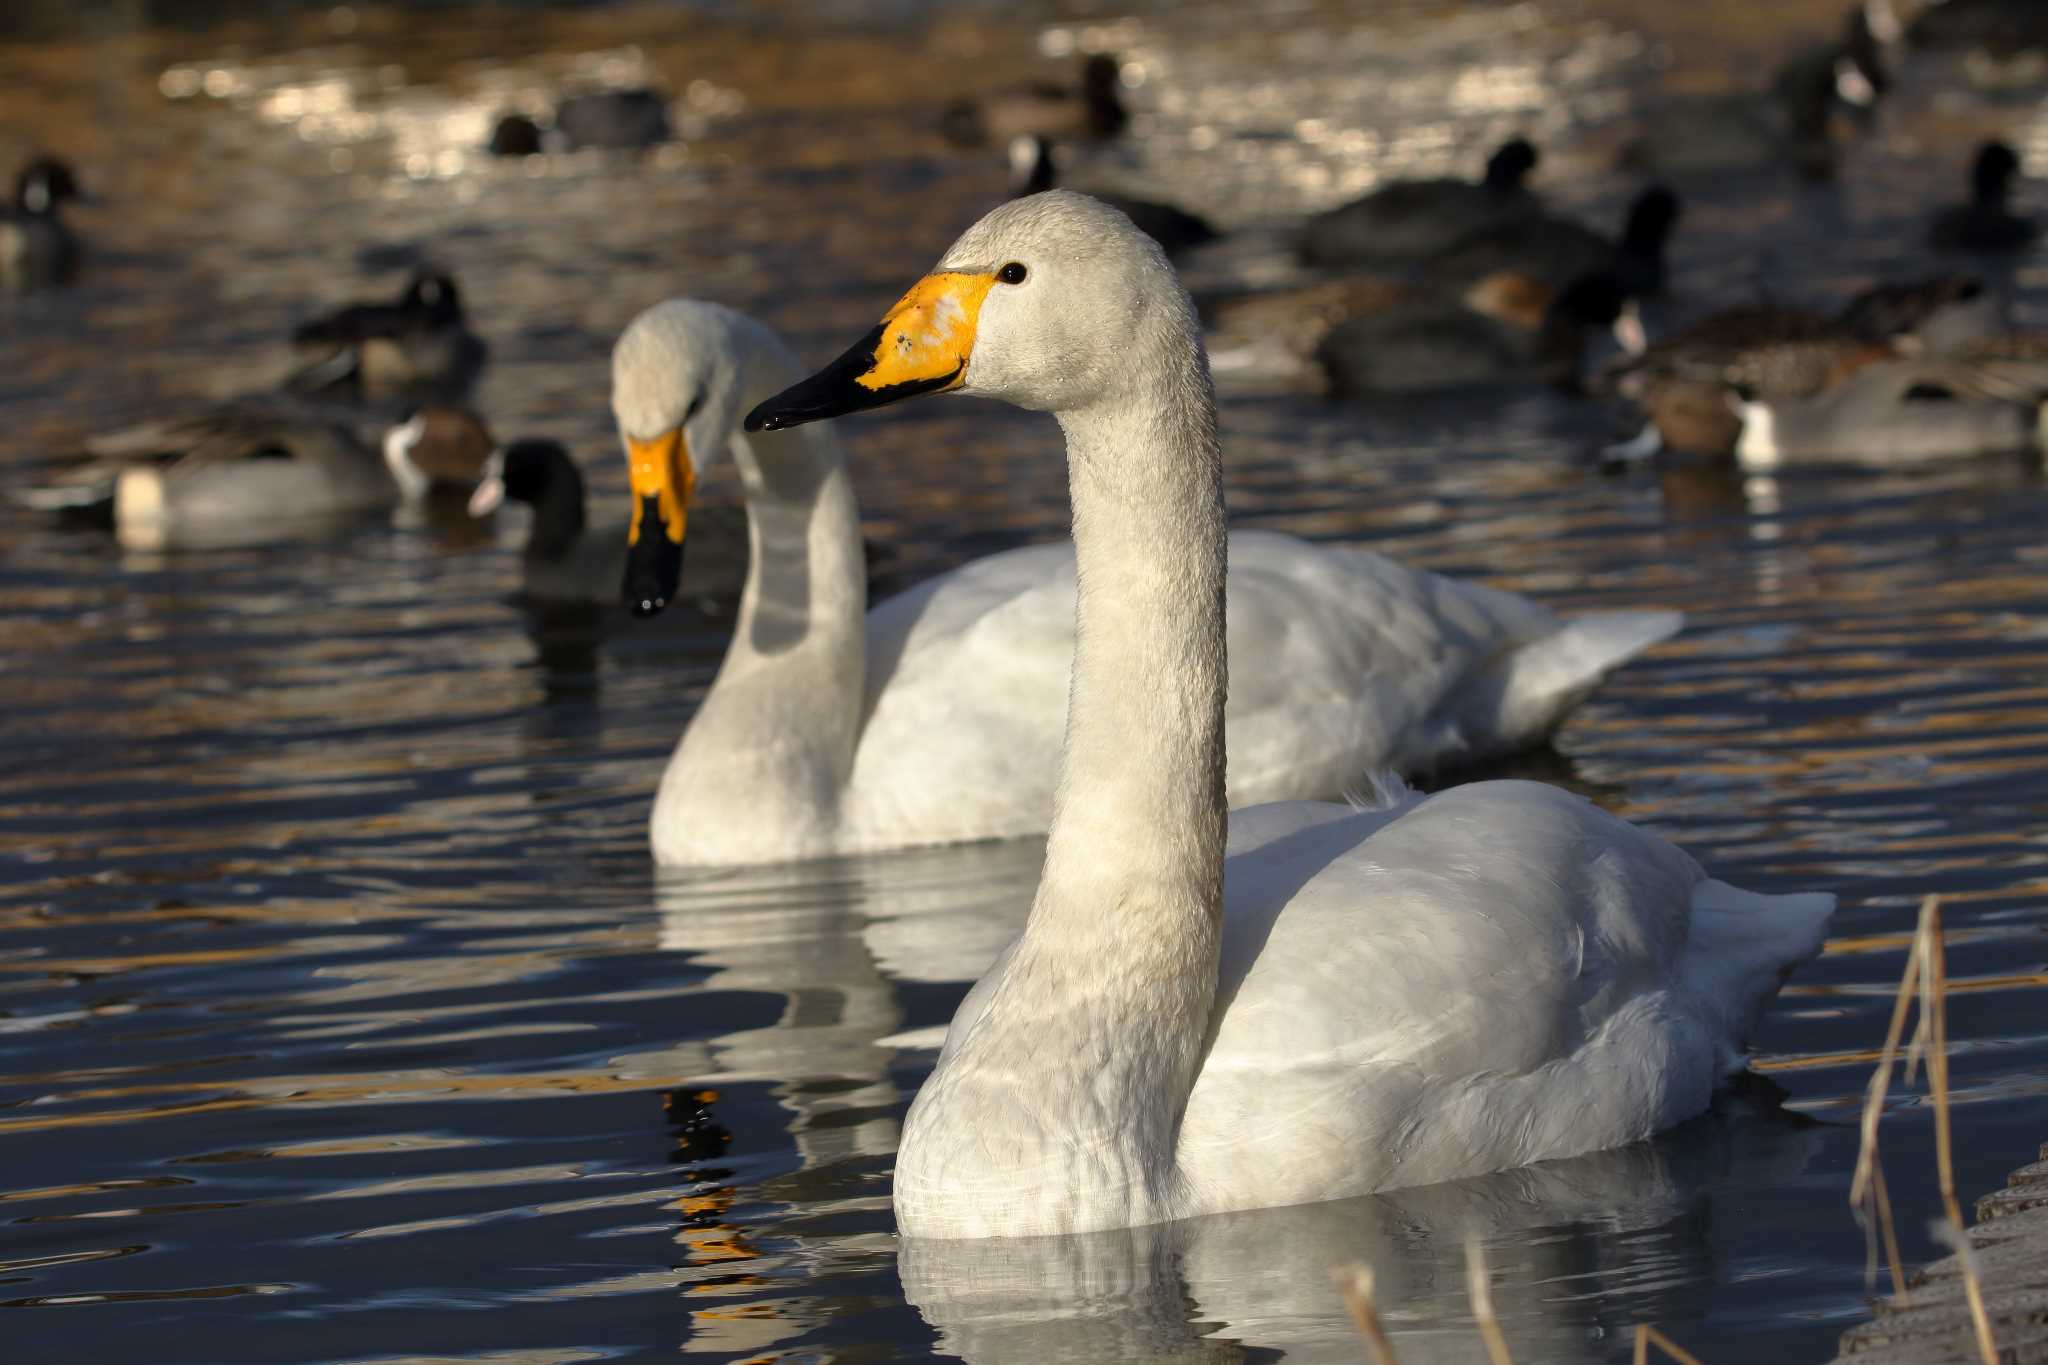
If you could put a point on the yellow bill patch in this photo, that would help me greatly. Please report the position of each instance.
(660, 469)
(929, 334)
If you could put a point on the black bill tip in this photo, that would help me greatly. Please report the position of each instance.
(836, 390)
(654, 565)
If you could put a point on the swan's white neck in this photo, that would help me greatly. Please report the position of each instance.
(769, 750)
(1060, 1108)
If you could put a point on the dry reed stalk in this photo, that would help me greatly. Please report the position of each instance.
(1873, 1207)
(1355, 1281)
(1934, 1006)
(1477, 1286)
(1646, 1335)
(1889, 1227)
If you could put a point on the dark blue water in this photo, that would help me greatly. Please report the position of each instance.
(342, 1017)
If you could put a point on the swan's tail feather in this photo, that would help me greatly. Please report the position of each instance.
(1573, 660)
(1743, 945)
(1529, 691)
(1379, 789)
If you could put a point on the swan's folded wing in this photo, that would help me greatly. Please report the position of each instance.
(1491, 976)
(966, 697)
(1343, 661)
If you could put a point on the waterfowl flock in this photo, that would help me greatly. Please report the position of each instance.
(1258, 970)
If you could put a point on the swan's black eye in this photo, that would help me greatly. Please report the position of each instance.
(696, 406)
(1013, 273)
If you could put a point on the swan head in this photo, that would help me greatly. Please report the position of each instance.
(676, 392)
(1040, 304)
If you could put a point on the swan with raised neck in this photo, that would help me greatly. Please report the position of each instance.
(1355, 999)
(937, 717)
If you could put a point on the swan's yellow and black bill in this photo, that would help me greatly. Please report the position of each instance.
(922, 345)
(663, 480)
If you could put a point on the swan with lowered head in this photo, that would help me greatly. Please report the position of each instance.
(936, 717)
(1350, 1000)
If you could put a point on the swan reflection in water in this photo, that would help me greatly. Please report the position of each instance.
(1580, 1250)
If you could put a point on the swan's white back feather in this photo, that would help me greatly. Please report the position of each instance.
(1342, 661)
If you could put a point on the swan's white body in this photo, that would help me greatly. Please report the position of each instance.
(938, 717)
(1353, 1000)
(1497, 975)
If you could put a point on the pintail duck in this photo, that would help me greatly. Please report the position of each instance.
(1034, 171)
(415, 349)
(1412, 348)
(1789, 125)
(619, 120)
(1555, 251)
(1892, 413)
(1093, 111)
(1776, 353)
(261, 469)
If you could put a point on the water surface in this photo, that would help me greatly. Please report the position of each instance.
(342, 1017)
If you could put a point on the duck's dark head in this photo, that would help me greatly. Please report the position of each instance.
(1510, 164)
(1651, 218)
(1101, 78)
(1592, 302)
(1992, 172)
(45, 183)
(431, 297)
(527, 471)
(1863, 57)
(515, 135)
(1031, 166)
(541, 475)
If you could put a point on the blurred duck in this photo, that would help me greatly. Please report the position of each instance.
(567, 561)
(37, 248)
(1275, 332)
(1859, 63)
(1682, 382)
(1895, 413)
(935, 716)
(1090, 112)
(1929, 316)
(2000, 25)
(1413, 348)
(1554, 251)
(415, 349)
(1985, 223)
(1790, 125)
(1408, 219)
(1033, 171)
(256, 470)
(619, 120)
